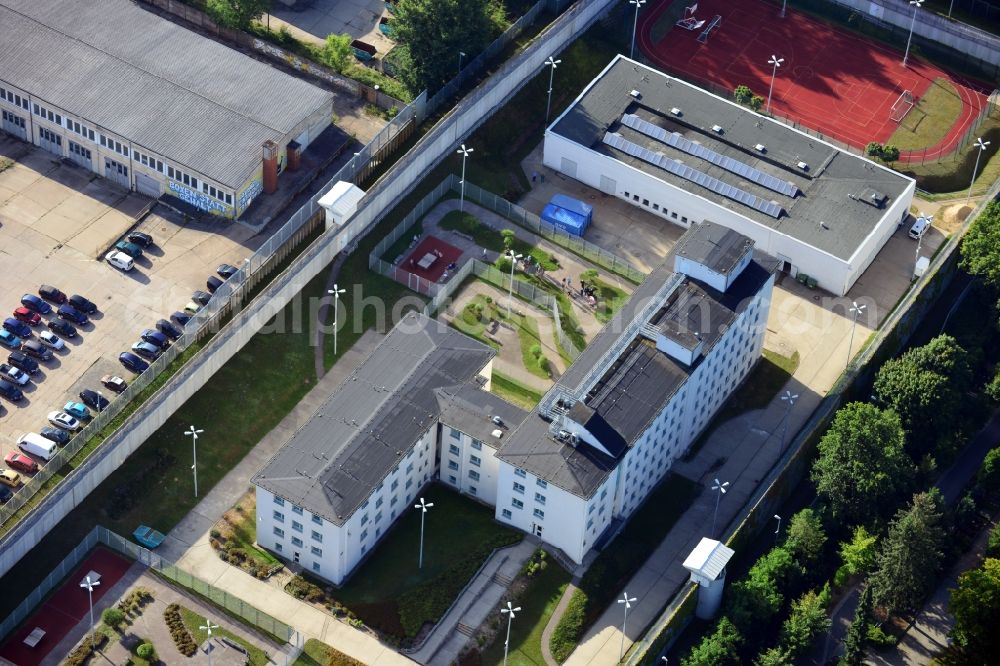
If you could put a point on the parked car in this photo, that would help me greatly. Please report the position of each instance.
(82, 304)
(213, 283)
(168, 329)
(20, 360)
(9, 391)
(36, 349)
(114, 382)
(64, 421)
(51, 340)
(155, 338)
(39, 446)
(201, 297)
(60, 437)
(146, 349)
(94, 400)
(226, 271)
(133, 362)
(26, 316)
(77, 410)
(120, 260)
(63, 328)
(919, 227)
(51, 294)
(20, 462)
(192, 307)
(139, 238)
(12, 374)
(9, 340)
(18, 328)
(72, 314)
(5, 494)
(35, 304)
(9, 477)
(131, 249)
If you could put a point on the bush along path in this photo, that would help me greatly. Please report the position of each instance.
(557, 615)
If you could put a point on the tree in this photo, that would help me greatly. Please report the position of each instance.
(112, 617)
(758, 597)
(993, 542)
(805, 537)
(236, 14)
(910, 555)
(862, 464)
(858, 555)
(981, 247)
(720, 648)
(435, 31)
(756, 102)
(146, 651)
(993, 386)
(742, 94)
(807, 620)
(873, 149)
(854, 642)
(774, 657)
(508, 239)
(890, 153)
(989, 472)
(975, 603)
(336, 52)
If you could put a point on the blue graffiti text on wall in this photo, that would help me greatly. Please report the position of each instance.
(248, 195)
(197, 199)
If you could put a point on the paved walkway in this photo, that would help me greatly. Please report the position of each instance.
(482, 597)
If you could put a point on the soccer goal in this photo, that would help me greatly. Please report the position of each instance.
(712, 25)
(901, 106)
(690, 22)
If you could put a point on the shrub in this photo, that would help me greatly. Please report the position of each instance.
(146, 651)
(567, 633)
(879, 638)
(993, 543)
(989, 472)
(113, 617)
(536, 351)
(742, 94)
(84, 650)
(182, 637)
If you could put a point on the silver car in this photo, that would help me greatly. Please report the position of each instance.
(64, 421)
(51, 340)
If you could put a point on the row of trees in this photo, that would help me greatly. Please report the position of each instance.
(882, 151)
(743, 95)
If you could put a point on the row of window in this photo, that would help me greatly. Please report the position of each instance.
(541, 483)
(116, 146)
(297, 510)
(14, 98)
(42, 112)
(74, 147)
(49, 136)
(655, 207)
(13, 119)
(82, 130)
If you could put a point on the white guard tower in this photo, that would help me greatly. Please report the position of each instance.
(341, 203)
(707, 564)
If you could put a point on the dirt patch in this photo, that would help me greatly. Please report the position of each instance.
(233, 537)
(950, 218)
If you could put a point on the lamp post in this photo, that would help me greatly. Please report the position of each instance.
(510, 610)
(776, 61)
(721, 488)
(981, 145)
(635, 23)
(423, 506)
(514, 258)
(551, 62)
(208, 628)
(783, 3)
(628, 604)
(790, 399)
(461, 54)
(464, 152)
(855, 310)
(89, 585)
(194, 454)
(951, 6)
(777, 530)
(335, 292)
(916, 5)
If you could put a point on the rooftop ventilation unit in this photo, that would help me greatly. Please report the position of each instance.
(635, 93)
(676, 111)
(803, 166)
(717, 129)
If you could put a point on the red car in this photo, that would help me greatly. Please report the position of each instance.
(27, 316)
(20, 462)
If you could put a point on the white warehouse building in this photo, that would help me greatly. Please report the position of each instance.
(689, 156)
(419, 409)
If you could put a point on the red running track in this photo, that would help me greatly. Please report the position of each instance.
(831, 80)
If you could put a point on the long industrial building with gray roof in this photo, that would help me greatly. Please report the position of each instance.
(151, 105)
(688, 156)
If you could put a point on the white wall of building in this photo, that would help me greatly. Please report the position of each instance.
(469, 465)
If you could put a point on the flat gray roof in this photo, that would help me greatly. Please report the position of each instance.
(718, 247)
(471, 410)
(334, 462)
(832, 191)
(117, 65)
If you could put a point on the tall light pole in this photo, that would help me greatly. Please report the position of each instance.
(790, 399)
(951, 6)
(628, 604)
(194, 454)
(777, 530)
(916, 5)
(464, 152)
(720, 489)
(551, 62)
(510, 610)
(423, 506)
(783, 3)
(461, 54)
(635, 23)
(208, 627)
(981, 145)
(510, 294)
(855, 310)
(335, 292)
(776, 61)
(89, 585)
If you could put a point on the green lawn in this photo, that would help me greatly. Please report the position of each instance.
(609, 297)
(315, 653)
(389, 593)
(951, 174)
(537, 604)
(492, 240)
(930, 120)
(514, 391)
(193, 621)
(238, 529)
(478, 312)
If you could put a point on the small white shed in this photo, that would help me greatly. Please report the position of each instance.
(341, 202)
(707, 564)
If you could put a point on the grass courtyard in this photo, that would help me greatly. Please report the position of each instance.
(493, 240)
(390, 594)
(475, 321)
(930, 119)
(316, 653)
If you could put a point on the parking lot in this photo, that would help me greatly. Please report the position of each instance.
(56, 221)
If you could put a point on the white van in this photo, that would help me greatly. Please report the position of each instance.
(36, 445)
(120, 260)
(920, 227)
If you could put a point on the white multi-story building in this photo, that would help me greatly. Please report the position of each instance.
(687, 156)
(419, 409)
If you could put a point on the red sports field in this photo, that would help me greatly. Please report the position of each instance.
(831, 81)
(445, 254)
(66, 607)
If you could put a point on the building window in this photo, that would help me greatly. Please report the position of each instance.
(280, 517)
(454, 450)
(378, 517)
(477, 445)
(539, 514)
(278, 532)
(475, 460)
(297, 510)
(635, 197)
(364, 520)
(393, 501)
(517, 504)
(520, 472)
(409, 482)
(455, 434)
(297, 526)
(277, 547)
(645, 202)
(684, 219)
(316, 519)
(540, 498)
(317, 537)
(474, 475)
(318, 552)
(378, 502)
(542, 483)
(506, 514)
(316, 566)
(673, 215)
(452, 479)
(452, 465)
(409, 468)
(395, 484)
(656, 206)
(518, 488)
(297, 542)
(472, 490)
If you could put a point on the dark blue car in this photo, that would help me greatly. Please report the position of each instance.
(35, 304)
(69, 312)
(168, 329)
(18, 328)
(132, 362)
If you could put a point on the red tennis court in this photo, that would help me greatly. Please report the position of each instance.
(66, 607)
(831, 80)
(431, 258)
